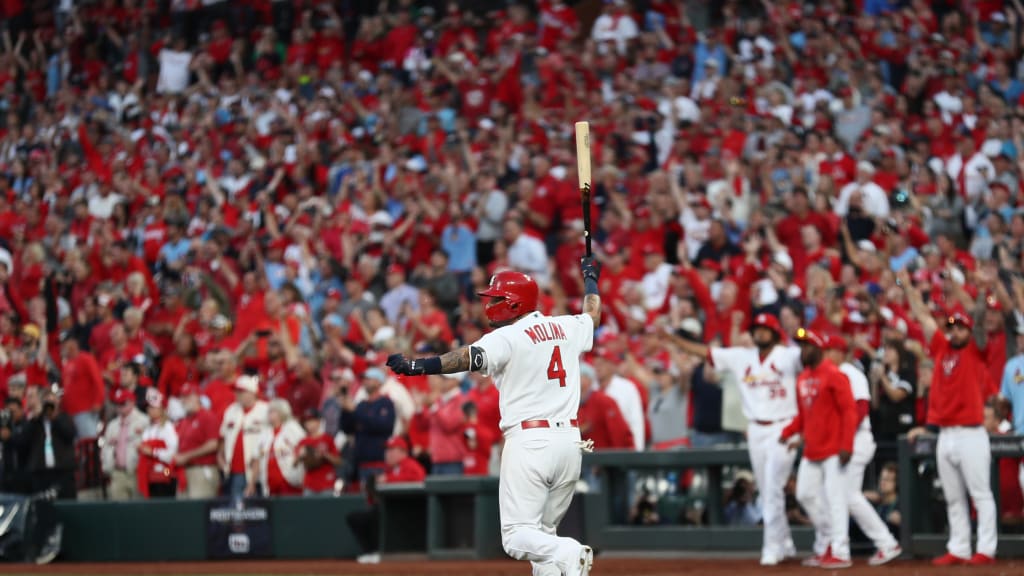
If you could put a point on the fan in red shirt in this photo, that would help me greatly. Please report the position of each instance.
(600, 417)
(83, 387)
(558, 22)
(480, 438)
(430, 324)
(319, 455)
(827, 419)
(198, 439)
(956, 411)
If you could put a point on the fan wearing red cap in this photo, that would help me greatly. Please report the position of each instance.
(956, 411)
(827, 420)
(400, 466)
(119, 448)
(837, 351)
(767, 374)
(198, 436)
(534, 360)
(156, 471)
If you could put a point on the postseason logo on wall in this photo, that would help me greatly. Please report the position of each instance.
(238, 529)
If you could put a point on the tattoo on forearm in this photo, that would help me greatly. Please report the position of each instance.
(591, 303)
(455, 361)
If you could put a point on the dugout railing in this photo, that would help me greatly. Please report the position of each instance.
(691, 485)
(922, 507)
(449, 517)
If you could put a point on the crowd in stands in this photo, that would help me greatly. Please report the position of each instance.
(218, 218)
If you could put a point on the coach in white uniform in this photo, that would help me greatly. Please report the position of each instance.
(767, 375)
(535, 363)
(862, 512)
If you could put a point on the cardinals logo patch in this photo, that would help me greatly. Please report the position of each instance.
(949, 364)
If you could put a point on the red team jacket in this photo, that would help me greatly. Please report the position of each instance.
(956, 397)
(827, 414)
(601, 421)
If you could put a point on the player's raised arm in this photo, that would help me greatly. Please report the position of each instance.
(917, 306)
(591, 299)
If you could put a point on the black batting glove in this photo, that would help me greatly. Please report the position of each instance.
(591, 268)
(399, 364)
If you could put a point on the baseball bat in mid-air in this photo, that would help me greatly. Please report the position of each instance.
(583, 168)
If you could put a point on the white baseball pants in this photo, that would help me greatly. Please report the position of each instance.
(539, 470)
(772, 462)
(821, 489)
(965, 467)
(862, 512)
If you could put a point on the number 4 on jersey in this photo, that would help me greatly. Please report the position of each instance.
(556, 371)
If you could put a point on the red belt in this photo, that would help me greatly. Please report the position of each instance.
(528, 424)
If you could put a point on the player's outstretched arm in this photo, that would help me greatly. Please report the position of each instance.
(458, 360)
(591, 270)
(693, 348)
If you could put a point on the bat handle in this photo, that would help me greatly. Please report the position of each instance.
(586, 219)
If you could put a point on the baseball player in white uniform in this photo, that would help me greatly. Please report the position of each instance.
(534, 361)
(767, 374)
(862, 512)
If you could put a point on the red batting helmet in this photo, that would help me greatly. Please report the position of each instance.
(517, 295)
(768, 321)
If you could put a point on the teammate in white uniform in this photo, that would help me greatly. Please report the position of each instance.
(767, 375)
(862, 512)
(535, 363)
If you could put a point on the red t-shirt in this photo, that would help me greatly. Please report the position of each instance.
(195, 430)
(956, 397)
(221, 395)
(322, 477)
(408, 470)
(238, 455)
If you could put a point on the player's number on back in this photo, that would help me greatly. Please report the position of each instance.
(556, 370)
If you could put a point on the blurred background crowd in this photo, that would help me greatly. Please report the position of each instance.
(218, 218)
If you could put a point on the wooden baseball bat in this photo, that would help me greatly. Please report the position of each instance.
(583, 170)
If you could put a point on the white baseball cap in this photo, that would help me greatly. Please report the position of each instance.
(247, 384)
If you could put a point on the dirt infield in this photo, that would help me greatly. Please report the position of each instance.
(602, 567)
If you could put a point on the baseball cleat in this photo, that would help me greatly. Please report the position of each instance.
(586, 561)
(373, 558)
(948, 559)
(980, 559)
(812, 561)
(885, 556)
(768, 560)
(830, 562)
(815, 560)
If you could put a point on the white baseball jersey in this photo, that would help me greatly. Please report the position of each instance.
(535, 363)
(627, 397)
(859, 387)
(768, 386)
